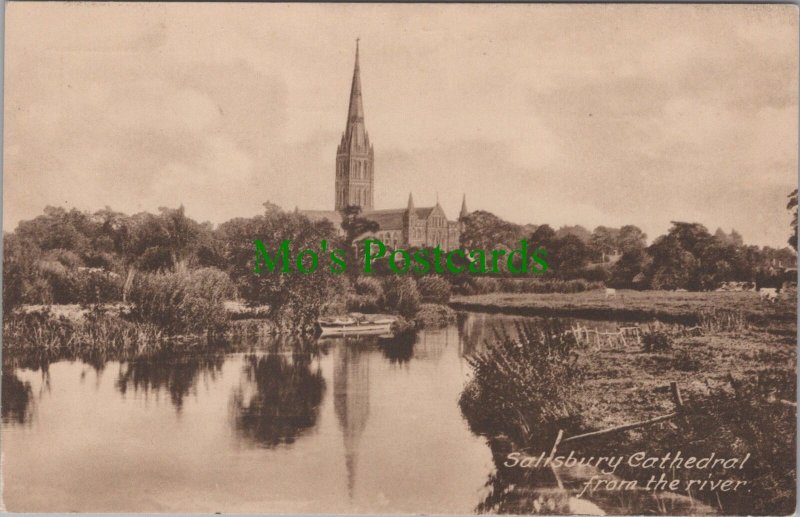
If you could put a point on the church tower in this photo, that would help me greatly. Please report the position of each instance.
(355, 179)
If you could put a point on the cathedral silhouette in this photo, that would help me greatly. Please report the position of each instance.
(355, 186)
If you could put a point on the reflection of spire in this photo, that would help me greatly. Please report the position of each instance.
(351, 402)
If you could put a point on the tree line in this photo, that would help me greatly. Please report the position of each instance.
(72, 256)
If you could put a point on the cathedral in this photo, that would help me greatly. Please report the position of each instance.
(355, 185)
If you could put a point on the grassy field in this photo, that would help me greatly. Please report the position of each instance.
(671, 306)
(737, 378)
(624, 384)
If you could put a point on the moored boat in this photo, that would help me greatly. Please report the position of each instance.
(355, 324)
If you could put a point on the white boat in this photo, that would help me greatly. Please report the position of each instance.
(355, 324)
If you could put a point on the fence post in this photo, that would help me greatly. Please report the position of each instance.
(557, 442)
(678, 400)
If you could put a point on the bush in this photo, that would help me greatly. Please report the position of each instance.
(464, 285)
(434, 289)
(686, 361)
(98, 286)
(595, 274)
(400, 294)
(367, 295)
(522, 385)
(368, 286)
(656, 340)
(485, 285)
(183, 302)
(431, 315)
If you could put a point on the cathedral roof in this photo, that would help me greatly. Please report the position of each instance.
(392, 219)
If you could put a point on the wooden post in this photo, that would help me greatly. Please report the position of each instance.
(676, 395)
(678, 400)
(557, 442)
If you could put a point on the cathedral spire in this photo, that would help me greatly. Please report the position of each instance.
(355, 114)
(464, 210)
(355, 157)
(410, 202)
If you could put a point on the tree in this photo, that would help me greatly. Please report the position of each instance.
(690, 236)
(628, 267)
(543, 237)
(567, 256)
(484, 230)
(354, 225)
(631, 239)
(603, 242)
(577, 230)
(294, 299)
(672, 266)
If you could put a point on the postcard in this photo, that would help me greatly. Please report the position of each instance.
(447, 259)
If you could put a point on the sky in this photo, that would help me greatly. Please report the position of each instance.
(558, 114)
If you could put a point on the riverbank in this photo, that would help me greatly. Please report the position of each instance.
(737, 382)
(629, 305)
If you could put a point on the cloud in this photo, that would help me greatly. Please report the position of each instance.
(565, 114)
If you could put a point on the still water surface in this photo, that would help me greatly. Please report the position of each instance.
(365, 425)
(334, 426)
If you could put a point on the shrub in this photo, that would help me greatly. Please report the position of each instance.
(368, 286)
(434, 289)
(464, 284)
(484, 285)
(98, 286)
(367, 295)
(595, 274)
(400, 295)
(656, 340)
(183, 302)
(522, 385)
(686, 361)
(431, 315)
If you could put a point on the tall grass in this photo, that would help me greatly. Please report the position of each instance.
(43, 335)
(183, 302)
(523, 384)
(723, 320)
(486, 285)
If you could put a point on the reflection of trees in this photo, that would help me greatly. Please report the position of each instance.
(17, 398)
(399, 349)
(285, 398)
(177, 374)
(473, 330)
(351, 401)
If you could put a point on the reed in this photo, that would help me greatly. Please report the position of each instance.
(523, 384)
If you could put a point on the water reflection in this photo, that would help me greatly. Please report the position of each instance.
(367, 425)
(351, 401)
(177, 375)
(279, 398)
(17, 398)
(398, 350)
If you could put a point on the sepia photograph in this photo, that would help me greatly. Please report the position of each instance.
(437, 259)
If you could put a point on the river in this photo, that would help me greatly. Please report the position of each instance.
(336, 426)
